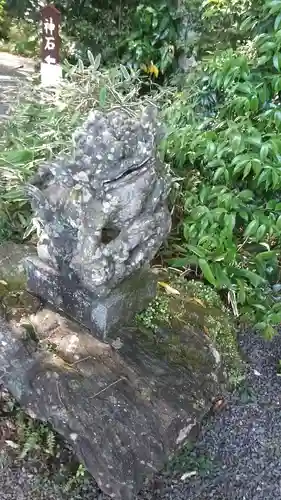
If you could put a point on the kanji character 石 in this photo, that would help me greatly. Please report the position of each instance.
(50, 43)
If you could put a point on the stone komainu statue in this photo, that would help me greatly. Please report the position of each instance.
(103, 212)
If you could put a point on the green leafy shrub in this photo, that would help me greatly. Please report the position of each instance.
(223, 21)
(152, 43)
(23, 38)
(100, 29)
(19, 27)
(4, 20)
(160, 33)
(224, 142)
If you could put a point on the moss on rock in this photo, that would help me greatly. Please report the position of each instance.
(15, 301)
(192, 303)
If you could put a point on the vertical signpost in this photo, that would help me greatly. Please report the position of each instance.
(51, 71)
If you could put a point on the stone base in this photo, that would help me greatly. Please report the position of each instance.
(125, 411)
(102, 315)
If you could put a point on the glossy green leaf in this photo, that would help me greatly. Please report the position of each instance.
(256, 166)
(245, 88)
(254, 103)
(278, 223)
(247, 170)
(219, 172)
(253, 278)
(260, 232)
(264, 152)
(244, 215)
(277, 61)
(241, 296)
(207, 272)
(210, 150)
(266, 255)
(251, 228)
(221, 277)
(267, 46)
(246, 195)
(275, 178)
(263, 177)
(236, 143)
(277, 22)
(196, 250)
(180, 262)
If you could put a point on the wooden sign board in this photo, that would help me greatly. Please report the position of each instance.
(51, 71)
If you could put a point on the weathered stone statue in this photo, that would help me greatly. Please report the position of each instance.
(103, 215)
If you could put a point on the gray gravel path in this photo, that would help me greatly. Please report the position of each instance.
(240, 447)
(29, 483)
(14, 71)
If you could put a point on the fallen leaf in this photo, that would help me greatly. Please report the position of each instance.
(198, 301)
(169, 289)
(12, 444)
(219, 404)
(186, 475)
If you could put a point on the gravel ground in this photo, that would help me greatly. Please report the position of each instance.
(237, 457)
(14, 71)
(30, 483)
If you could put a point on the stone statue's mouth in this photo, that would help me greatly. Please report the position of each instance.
(129, 171)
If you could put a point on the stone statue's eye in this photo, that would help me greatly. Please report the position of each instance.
(109, 234)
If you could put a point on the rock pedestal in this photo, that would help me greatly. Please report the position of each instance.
(125, 410)
(102, 315)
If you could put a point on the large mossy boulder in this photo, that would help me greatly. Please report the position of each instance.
(125, 406)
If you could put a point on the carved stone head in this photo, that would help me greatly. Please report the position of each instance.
(104, 211)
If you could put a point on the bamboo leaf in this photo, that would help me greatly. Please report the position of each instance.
(102, 96)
